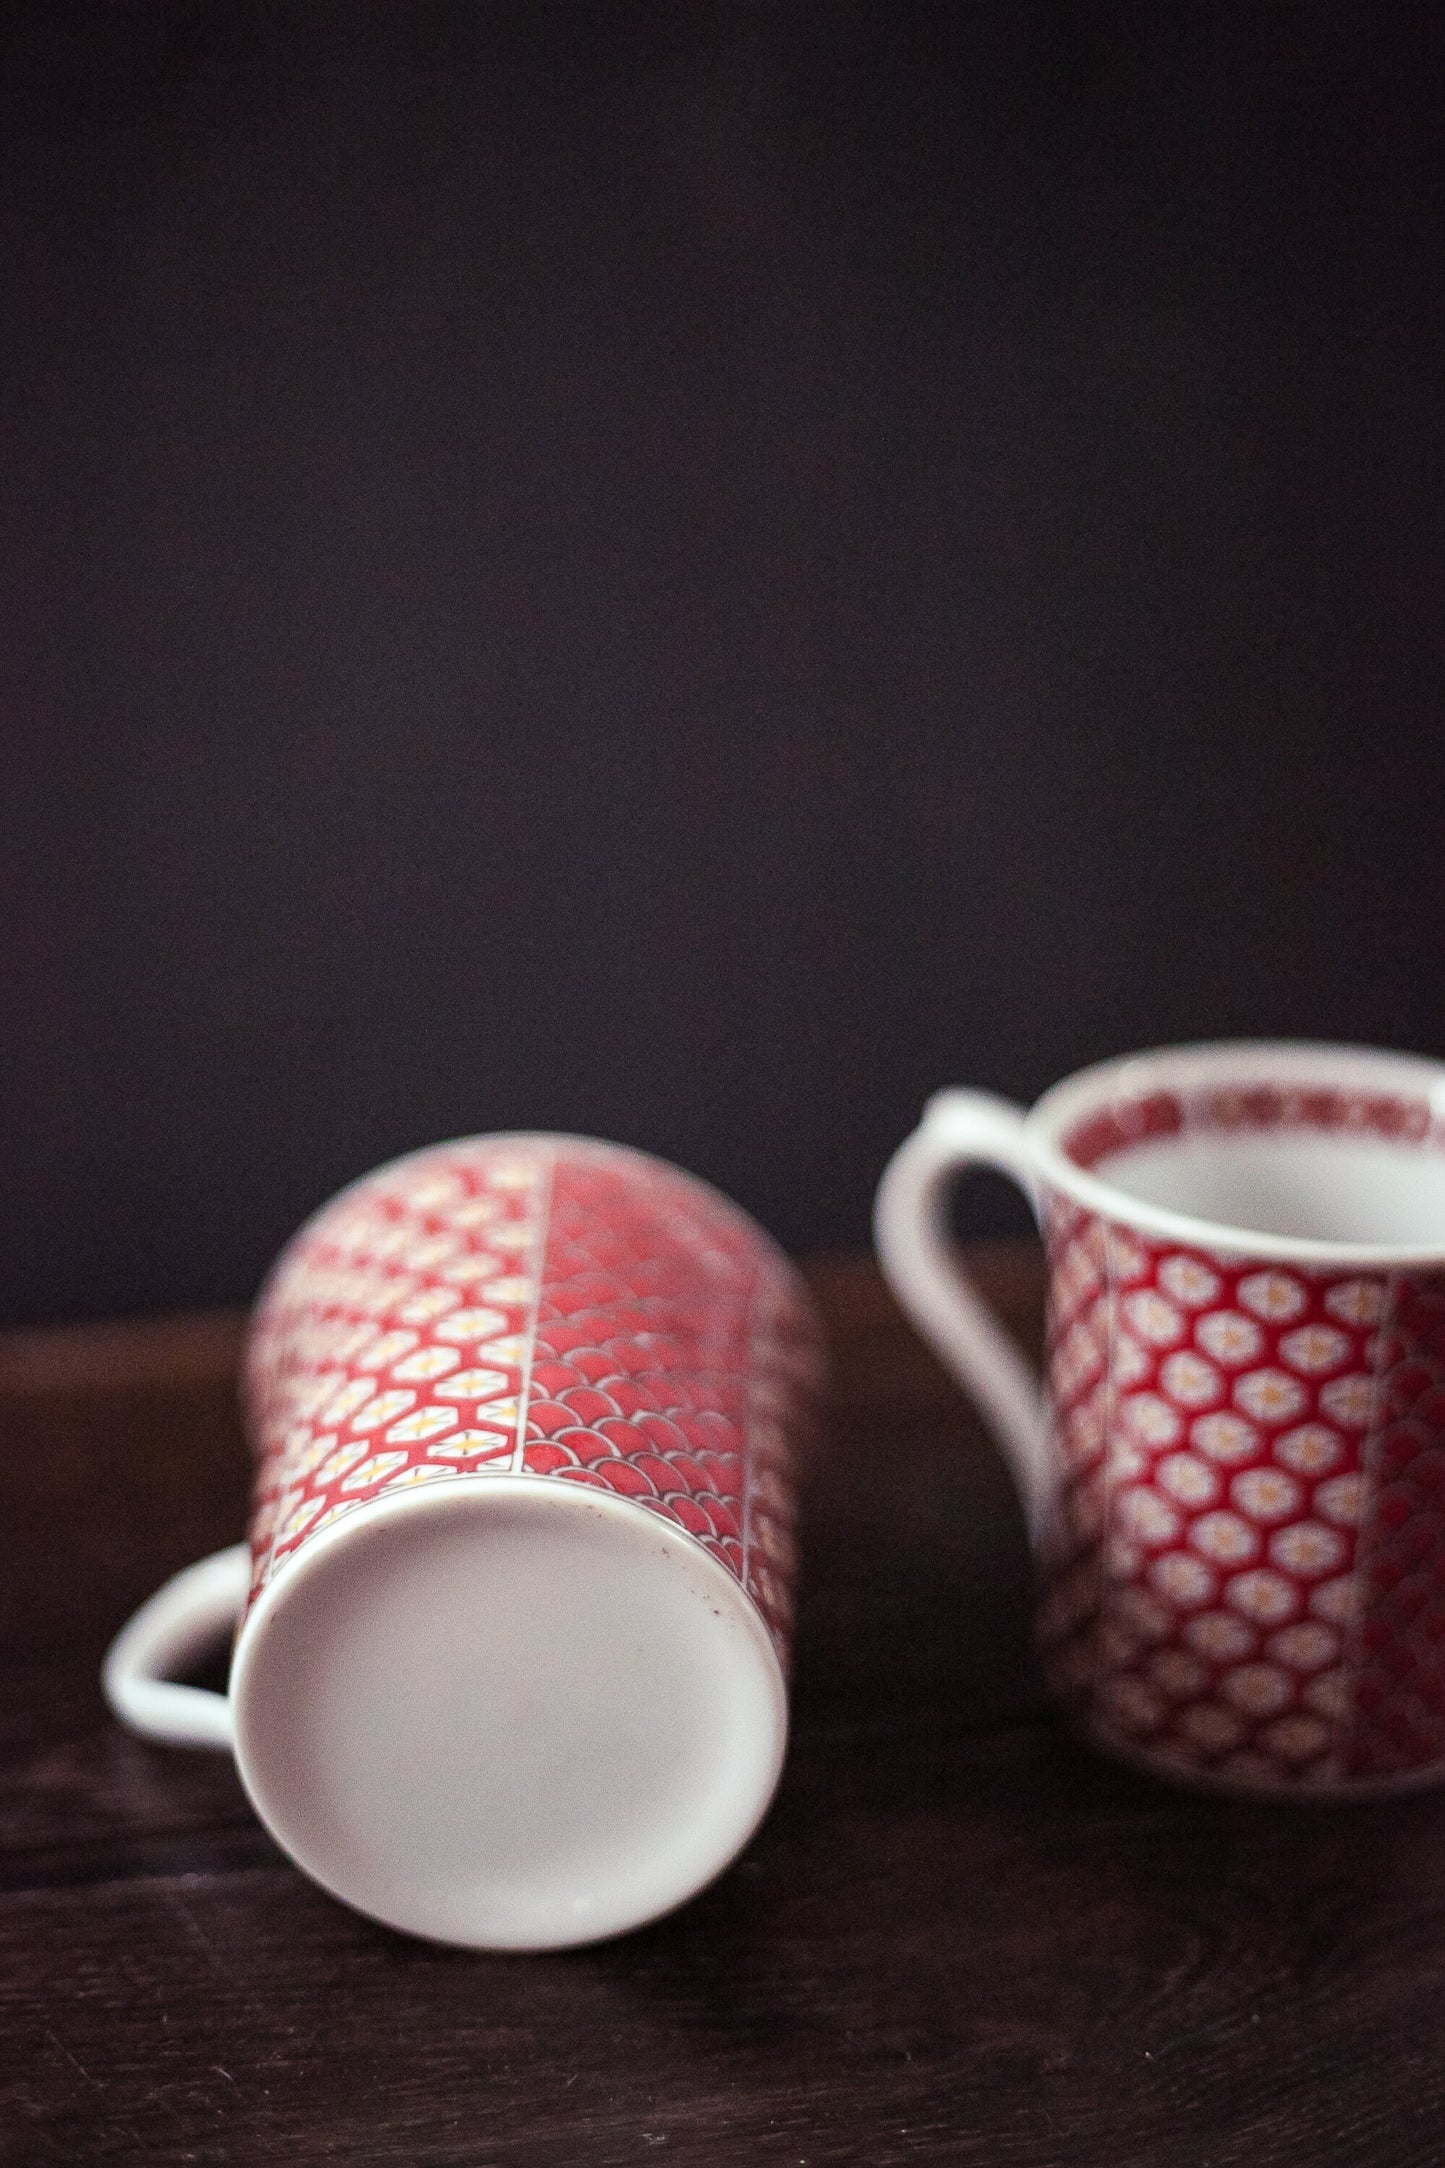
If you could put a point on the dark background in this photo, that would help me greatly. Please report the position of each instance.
(692, 573)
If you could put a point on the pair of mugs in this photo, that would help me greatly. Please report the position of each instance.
(514, 1613)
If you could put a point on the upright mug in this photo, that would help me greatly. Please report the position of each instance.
(1235, 1477)
(515, 1606)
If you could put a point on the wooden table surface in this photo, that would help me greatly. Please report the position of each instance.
(959, 1936)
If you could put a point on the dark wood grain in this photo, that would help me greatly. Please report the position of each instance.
(959, 1937)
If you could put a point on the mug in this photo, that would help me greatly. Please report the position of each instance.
(514, 1614)
(1235, 1480)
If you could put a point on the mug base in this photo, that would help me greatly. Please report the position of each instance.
(508, 1713)
(1338, 1791)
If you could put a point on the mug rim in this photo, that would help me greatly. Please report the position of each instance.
(1297, 1063)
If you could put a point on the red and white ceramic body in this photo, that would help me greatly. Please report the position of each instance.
(510, 1669)
(1235, 1479)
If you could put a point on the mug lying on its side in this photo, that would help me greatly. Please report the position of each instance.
(514, 1613)
(1236, 1480)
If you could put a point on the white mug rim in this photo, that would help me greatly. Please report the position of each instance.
(1298, 1063)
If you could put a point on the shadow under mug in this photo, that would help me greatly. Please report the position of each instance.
(1234, 1477)
(515, 1607)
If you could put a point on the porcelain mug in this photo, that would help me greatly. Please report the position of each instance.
(1235, 1478)
(514, 1612)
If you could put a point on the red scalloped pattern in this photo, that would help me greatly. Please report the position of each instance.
(552, 1308)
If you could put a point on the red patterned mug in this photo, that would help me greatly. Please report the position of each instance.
(1235, 1482)
(514, 1612)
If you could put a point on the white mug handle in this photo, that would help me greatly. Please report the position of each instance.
(181, 1620)
(920, 1262)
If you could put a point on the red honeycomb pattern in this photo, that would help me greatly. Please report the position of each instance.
(1400, 1691)
(1246, 1573)
(554, 1308)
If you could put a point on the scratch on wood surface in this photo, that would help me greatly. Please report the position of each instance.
(188, 1920)
(74, 2061)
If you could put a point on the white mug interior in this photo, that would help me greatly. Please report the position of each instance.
(1281, 1149)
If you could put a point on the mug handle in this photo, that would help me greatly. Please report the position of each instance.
(920, 1263)
(176, 1625)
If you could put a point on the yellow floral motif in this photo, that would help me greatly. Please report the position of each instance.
(341, 1347)
(511, 1348)
(473, 1385)
(517, 1236)
(429, 1304)
(1183, 1580)
(374, 1470)
(352, 1396)
(1350, 1400)
(431, 1192)
(387, 1348)
(382, 1294)
(1307, 1646)
(465, 1271)
(1342, 1500)
(516, 1174)
(1272, 1295)
(476, 1212)
(1225, 1437)
(1336, 1600)
(1265, 1494)
(336, 1513)
(472, 1323)
(1310, 1449)
(345, 1457)
(1146, 1517)
(299, 1519)
(1220, 1636)
(421, 1423)
(426, 1364)
(1357, 1302)
(1270, 1396)
(510, 1289)
(1261, 1595)
(473, 1445)
(1307, 1548)
(313, 1455)
(1188, 1281)
(384, 1409)
(1191, 1481)
(1131, 1361)
(1224, 1537)
(1154, 1319)
(1314, 1348)
(388, 1240)
(1228, 1337)
(1189, 1379)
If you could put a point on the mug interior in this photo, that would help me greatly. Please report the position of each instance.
(1316, 1146)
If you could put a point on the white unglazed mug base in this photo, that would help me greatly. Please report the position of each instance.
(508, 1714)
